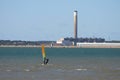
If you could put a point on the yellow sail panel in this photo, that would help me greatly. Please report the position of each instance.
(43, 51)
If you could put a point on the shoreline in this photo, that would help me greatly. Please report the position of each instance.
(82, 45)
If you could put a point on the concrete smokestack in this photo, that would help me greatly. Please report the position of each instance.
(75, 24)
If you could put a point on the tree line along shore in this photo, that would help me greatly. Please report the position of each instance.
(49, 44)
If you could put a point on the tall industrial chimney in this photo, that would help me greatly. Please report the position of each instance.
(75, 24)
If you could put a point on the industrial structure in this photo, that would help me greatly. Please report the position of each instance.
(75, 24)
(74, 41)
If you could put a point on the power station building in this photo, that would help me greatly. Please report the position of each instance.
(74, 41)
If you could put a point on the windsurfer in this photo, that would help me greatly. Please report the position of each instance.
(46, 61)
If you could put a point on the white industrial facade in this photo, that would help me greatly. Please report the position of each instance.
(64, 42)
(98, 44)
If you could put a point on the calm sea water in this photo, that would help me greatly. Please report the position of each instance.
(64, 64)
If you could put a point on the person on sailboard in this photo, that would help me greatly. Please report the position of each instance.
(45, 61)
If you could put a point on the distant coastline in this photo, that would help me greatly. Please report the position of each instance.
(53, 44)
(82, 45)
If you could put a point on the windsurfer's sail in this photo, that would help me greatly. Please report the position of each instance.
(45, 60)
(43, 52)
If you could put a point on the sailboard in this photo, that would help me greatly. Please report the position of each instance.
(45, 59)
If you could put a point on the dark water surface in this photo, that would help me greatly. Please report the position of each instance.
(64, 64)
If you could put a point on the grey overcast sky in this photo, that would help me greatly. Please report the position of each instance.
(52, 19)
